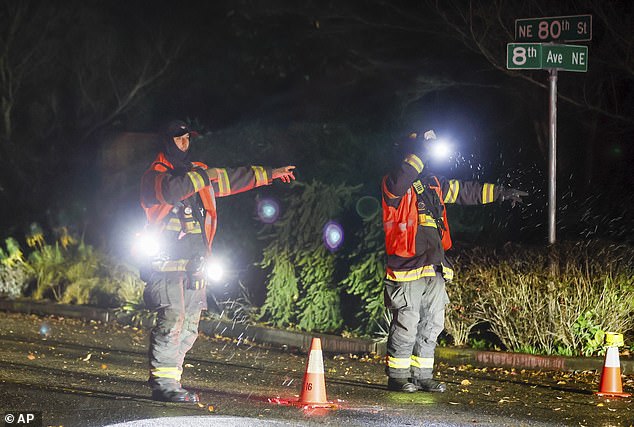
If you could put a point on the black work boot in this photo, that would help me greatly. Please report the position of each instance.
(177, 396)
(430, 384)
(401, 384)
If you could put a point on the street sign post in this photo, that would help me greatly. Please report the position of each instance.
(538, 56)
(552, 57)
(574, 28)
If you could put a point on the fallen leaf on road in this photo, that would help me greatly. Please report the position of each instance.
(31, 356)
(465, 382)
(87, 358)
(104, 366)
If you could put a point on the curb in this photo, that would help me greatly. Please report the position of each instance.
(330, 343)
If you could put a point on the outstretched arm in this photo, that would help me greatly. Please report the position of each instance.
(228, 181)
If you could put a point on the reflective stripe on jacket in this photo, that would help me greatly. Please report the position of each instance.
(428, 255)
(161, 190)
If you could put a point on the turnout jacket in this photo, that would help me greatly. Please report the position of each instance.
(183, 207)
(422, 198)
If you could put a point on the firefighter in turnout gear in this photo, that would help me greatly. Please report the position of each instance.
(416, 238)
(178, 197)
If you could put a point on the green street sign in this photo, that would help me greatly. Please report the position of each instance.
(574, 28)
(537, 56)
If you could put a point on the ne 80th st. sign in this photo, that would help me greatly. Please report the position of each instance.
(556, 29)
(537, 56)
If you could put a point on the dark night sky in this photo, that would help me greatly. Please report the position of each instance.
(377, 69)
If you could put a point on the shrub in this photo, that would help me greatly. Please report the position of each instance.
(552, 305)
(460, 318)
(366, 275)
(15, 273)
(49, 266)
(73, 272)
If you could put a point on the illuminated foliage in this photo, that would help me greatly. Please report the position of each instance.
(15, 273)
(367, 271)
(302, 288)
(551, 306)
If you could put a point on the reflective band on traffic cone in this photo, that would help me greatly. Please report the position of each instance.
(314, 386)
(611, 375)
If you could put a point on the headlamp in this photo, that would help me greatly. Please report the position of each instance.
(440, 149)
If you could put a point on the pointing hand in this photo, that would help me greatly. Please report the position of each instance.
(512, 194)
(284, 173)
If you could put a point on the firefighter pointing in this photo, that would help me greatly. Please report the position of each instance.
(416, 238)
(179, 199)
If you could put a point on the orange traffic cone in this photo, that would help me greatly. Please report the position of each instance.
(611, 374)
(314, 386)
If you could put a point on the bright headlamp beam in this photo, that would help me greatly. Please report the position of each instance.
(440, 149)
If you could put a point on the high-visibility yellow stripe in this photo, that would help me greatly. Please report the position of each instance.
(398, 362)
(423, 362)
(447, 273)
(174, 265)
(197, 181)
(260, 176)
(173, 225)
(427, 221)
(224, 187)
(173, 373)
(487, 193)
(415, 162)
(406, 276)
(452, 194)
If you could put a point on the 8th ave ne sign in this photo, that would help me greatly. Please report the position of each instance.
(536, 56)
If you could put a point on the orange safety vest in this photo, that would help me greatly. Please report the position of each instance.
(156, 213)
(400, 224)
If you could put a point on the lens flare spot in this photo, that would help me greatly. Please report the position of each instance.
(333, 235)
(45, 329)
(268, 210)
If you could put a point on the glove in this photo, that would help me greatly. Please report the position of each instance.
(512, 194)
(418, 144)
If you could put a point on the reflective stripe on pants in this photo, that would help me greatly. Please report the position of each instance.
(418, 316)
(178, 311)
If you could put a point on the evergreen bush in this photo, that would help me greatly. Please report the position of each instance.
(302, 289)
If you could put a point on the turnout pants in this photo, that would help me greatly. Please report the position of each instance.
(418, 317)
(178, 313)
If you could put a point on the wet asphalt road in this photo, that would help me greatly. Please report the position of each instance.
(91, 374)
